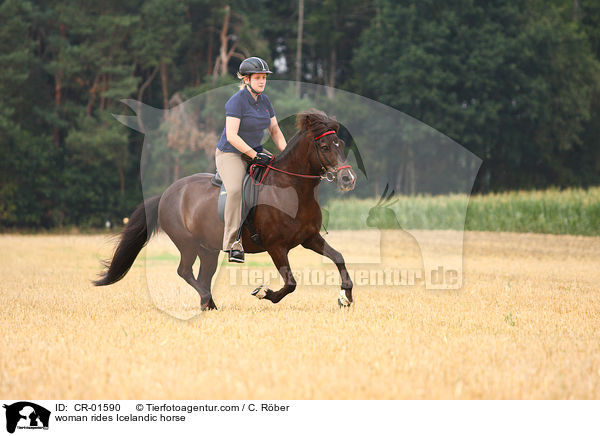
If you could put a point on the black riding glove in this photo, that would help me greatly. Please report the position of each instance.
(261, 159)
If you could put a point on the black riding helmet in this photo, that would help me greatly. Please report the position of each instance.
(254, 65)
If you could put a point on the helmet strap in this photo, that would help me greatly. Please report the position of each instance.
(252, 89)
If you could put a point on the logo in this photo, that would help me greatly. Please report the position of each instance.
(26, 415)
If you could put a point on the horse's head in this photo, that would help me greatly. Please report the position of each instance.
(327, 150)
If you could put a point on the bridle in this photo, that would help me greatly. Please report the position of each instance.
(328, 175)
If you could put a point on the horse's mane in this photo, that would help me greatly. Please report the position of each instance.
(289, 148)
(312, 121)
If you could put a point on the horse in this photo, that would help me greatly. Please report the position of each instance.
(285, 216)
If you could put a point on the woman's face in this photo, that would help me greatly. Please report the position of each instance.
(258, 81)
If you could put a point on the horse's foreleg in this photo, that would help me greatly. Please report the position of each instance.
(208, 266)
(320, 245)
(280, 259)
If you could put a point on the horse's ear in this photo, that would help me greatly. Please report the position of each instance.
(304, 121)
(334, 124)
(310, 119)
(301, 121)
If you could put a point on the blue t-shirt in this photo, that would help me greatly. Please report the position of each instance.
(255, 117)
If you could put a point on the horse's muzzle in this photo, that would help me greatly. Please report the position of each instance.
(346, 179)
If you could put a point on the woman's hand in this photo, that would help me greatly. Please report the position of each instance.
(261, 159)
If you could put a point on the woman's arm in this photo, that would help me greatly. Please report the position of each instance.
(232, 127)
(276, 134)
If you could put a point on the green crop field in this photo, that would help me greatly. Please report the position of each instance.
(570, 211)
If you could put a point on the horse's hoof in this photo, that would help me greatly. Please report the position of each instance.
(209, 306)
(260, 292)
(344, 304)
(343, 300)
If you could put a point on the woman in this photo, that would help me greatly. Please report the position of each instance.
(247, 114)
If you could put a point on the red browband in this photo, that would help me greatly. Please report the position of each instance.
(329, 132)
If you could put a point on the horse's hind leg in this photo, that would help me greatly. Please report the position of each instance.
(208, 266)
(188, 256)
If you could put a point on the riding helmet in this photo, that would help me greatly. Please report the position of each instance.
(254, 65)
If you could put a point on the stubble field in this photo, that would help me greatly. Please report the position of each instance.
(526, 324)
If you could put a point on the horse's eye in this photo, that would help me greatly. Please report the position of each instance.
(325, 147)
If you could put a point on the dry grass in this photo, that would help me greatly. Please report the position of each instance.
(526, 324)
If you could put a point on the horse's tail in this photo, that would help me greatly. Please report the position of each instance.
(142, 225)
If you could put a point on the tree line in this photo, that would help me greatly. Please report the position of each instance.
(516, 82)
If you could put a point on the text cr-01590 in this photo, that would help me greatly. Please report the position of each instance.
(95, 407)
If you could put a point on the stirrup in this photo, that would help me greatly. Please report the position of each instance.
(236, 254)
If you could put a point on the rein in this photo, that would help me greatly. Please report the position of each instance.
(329, 175)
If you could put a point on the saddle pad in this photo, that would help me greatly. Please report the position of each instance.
(249, 196)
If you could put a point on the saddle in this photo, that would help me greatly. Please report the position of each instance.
(249, 199)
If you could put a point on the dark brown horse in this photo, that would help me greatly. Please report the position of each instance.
(287, 214)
